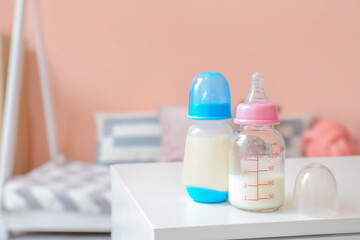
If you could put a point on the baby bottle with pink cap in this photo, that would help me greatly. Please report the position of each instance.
(256, 167)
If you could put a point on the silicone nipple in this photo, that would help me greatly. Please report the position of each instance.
(257, 92)
(257, 110)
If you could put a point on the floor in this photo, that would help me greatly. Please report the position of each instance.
(58, 236)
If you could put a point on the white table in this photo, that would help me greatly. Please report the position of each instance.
(149, 202)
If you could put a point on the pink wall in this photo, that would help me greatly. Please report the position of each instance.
(133, 55)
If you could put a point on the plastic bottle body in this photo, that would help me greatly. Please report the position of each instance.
(256, 168)
(206, 161)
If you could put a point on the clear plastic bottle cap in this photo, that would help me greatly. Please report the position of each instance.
(315, 192)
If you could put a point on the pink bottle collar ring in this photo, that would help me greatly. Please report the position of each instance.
(256, 114)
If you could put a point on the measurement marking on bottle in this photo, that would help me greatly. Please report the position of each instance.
(257, 176)
(257, 171)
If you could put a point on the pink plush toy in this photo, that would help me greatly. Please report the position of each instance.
(328, 138)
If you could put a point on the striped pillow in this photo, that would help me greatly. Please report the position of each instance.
(292, 129)
(127, 137)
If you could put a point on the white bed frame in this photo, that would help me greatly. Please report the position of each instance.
(40, 221)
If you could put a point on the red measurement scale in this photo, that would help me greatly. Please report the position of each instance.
(258, 171)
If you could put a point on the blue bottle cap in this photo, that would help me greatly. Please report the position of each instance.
(209, 97)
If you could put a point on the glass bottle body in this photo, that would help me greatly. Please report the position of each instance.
(256, 169)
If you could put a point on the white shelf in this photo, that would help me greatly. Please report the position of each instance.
(149, 202)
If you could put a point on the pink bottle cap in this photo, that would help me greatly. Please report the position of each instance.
(257, 110)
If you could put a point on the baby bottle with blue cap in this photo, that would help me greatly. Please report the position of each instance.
(206, 158)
